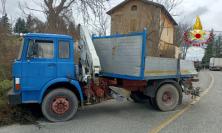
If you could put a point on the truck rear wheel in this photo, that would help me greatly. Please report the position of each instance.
(60, 105)
(167, 97)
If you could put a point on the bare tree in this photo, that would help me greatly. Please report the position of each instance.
(55, 14)
(100, 23)
(158, 24)
(170, 5)
(155, 27)
(179, 37)
(3, 2)
(59, 12)
(3, 19)
(95, 17)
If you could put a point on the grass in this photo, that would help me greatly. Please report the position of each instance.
(5, 85)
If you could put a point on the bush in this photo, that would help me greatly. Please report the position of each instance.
(5, 71)
(5, 85)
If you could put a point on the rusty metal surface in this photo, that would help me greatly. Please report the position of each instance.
(134, 85)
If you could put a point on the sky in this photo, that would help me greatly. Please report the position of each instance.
(209, 11)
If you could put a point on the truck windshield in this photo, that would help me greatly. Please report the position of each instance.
(20, 50)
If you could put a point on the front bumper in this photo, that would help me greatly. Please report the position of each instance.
(14, 98)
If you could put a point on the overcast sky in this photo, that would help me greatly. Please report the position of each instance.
(210, 12)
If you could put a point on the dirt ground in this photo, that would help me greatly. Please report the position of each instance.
(19, 114)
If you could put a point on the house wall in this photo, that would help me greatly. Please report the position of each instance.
(167, 46)
(125, 20)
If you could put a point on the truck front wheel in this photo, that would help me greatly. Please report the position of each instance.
(60, 105)
(167, 97)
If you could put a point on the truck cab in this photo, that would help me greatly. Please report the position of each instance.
(44, 60)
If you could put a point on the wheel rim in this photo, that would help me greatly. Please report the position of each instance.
(167, 98)
(60, 105)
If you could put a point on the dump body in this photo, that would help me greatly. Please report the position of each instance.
(121, 55)
(124, 56)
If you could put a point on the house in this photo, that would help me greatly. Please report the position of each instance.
(135, 15)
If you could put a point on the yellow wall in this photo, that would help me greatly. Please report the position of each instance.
(167, 46)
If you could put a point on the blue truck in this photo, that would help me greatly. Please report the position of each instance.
(60, 76)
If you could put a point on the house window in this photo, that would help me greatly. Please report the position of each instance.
(134, 8)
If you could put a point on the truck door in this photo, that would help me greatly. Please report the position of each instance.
(66, 67)
(39, 67)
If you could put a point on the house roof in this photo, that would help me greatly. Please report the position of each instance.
(146, 2)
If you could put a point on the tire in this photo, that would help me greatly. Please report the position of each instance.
(59, 105)
(167, 97)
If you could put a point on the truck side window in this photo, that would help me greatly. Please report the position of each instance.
(64, 49)
(40, 49)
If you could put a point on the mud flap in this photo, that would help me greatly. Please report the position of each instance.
(14, 98)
